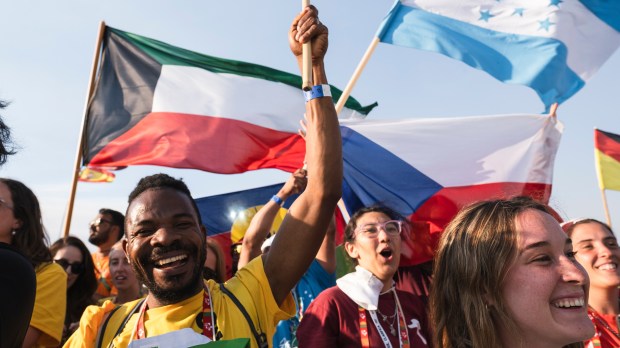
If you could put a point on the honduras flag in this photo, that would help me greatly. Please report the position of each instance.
(428, 169)
(552, 46)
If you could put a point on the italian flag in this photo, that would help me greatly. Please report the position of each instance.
(607, 154)
(157, 104)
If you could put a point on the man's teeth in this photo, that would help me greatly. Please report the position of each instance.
(608, 267)
(163, 262)
(568, 303)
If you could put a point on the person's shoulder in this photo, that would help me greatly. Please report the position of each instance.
(334, 290)
(49, 269)
(109, 310)
(408, 297)
(254, 269)
(333, 294)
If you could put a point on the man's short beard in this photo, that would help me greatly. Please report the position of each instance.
(99, 238)
(171, 296)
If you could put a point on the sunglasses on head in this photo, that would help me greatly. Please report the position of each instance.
(75, 268)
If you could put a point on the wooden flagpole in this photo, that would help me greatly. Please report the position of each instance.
(78, 157)
(356, 75)
(553, 110)
(607, 216)
(306, 66)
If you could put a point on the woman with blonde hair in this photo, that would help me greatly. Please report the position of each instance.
(123, 277)
(505, 275)
(598, 252)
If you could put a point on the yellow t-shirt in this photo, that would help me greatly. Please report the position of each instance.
(50, 304)
(250, 286)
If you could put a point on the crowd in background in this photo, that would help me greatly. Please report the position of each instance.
(506, 273)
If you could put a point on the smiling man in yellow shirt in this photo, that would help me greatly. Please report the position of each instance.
(166, 242)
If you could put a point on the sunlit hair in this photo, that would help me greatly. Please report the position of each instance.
(118, 219)
(570, 225)
(79, 295)
(475, 252)
(30, 238)
(220, 264)
(349, 230)
(162, 181)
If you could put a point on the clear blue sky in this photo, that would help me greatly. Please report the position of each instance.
(47, 49)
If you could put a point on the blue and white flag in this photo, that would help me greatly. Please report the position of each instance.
(552, 46)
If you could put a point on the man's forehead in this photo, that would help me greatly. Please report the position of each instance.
(159, 202)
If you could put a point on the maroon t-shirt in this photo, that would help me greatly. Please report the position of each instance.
(332, 320)
(415, 280)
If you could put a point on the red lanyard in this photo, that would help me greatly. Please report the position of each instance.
(363, 327)
(207, 318)
(606, 328)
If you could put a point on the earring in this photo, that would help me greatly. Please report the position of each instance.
(13, 232)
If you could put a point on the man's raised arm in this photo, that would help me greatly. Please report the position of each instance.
(302, 231)
(261, 223)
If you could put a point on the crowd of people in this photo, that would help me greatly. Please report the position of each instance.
(505, 274)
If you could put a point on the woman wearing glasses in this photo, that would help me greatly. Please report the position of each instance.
(598, 252)
(364, 309)
(73, 256)
(20, 226)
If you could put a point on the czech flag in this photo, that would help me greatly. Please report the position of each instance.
(428, 169)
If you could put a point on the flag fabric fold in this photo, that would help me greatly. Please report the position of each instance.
(607, 155)
(96, 175)
(427, 169)
(550, 46)
(162, 105)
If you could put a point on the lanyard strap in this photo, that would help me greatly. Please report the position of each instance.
(363, 328)
(384, 337)
(207, 318)
(403, 337)
(402, 324)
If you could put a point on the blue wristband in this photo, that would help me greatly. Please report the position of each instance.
(277, 199)
(318, 91)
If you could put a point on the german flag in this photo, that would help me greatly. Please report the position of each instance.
(607, 153)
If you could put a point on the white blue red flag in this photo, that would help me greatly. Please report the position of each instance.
(427, 169)
(552, 46)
